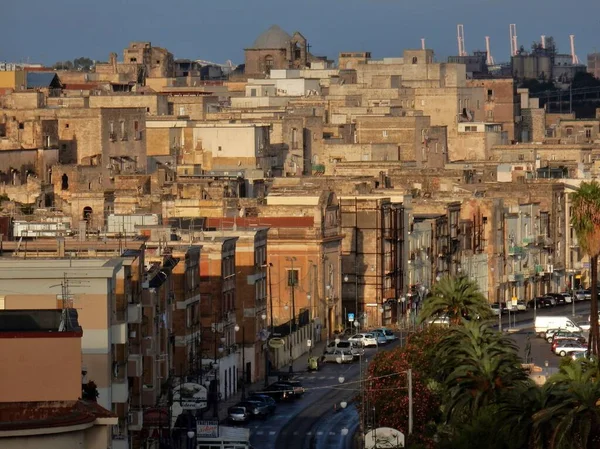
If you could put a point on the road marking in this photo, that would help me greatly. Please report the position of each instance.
(296, 433)
(272, 432)
(308, 433)
(322, 377)
(331, 377)
(319, 433)
(259, 432)
(331, 433)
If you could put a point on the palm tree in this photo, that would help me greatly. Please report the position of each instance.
(455, 297)
(478, 364)
(585, 220)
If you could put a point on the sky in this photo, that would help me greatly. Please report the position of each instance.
(219, 30)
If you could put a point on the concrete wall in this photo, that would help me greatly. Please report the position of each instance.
(40, 369)
(153, 104)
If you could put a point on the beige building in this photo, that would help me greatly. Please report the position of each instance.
(41, 385)
(106, 292)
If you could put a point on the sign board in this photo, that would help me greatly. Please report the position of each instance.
(276, 343)
(191, 396)
(207, 429)
(384, 437)
(514, 300)
(309, 343)
(351, 317)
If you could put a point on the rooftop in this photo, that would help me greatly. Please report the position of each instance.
(273, 38)
(42, 415)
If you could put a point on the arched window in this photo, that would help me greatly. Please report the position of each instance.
(269, 62)
(87, 213)
(414, 60)
(64, 182)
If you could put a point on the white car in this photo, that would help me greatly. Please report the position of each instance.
(521, 306)
(569, 347)
(388, 334)
(367, 340)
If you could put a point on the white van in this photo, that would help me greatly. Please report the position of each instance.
(543, 323)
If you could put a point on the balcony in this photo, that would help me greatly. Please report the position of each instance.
(515, 250)
(134, 313)
(135, 420)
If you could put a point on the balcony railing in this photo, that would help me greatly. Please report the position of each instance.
(515, 250)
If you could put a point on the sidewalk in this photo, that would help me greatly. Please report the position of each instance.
(300, 365)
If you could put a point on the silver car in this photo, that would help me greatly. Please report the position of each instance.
(338, 356)
(569, 347)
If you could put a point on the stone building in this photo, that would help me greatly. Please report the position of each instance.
(276, 49)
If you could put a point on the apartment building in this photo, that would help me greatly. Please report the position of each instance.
(41, 396)
(106, 291)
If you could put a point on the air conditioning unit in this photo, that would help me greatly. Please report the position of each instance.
(135, 420)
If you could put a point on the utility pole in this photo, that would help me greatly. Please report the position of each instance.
(271, 298)
(292, 282)
(410, 402)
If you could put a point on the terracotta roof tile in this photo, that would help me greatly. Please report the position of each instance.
(39, 415)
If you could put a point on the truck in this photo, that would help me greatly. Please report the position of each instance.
(543, 323)
(227, 438)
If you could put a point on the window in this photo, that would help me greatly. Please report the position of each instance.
(569, 131)
(490, 94)
(414, 60)
(292, 277)
(21, 125)
(111, 134)
(478, 104)
(385, 133)
(123, 131)
(253, 92)
(521, 157)
(2, 130)
(490, 115)
(220, 148)
(66, 126)
(136, 130)
(588, 132)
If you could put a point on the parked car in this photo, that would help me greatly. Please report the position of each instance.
(559, 341)
(583, 295)
(496, 310)
(237, 414)
(338, 356)
(567, 296)
(388, 333)
(566, 335)
(567, 347)
(580, 355)
(256, 409)
(560, 299)
(367, 340)
(264, 399)
(539, 302)
(354, 347)
(521, 305)
(380, 337)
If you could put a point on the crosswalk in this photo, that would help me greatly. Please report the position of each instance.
(315, 377)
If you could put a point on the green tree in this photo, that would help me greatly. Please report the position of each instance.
(573, 408)
(585, 220)
(480, 364)
(455, 297)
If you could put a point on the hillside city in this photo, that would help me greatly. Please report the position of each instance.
(300, 251)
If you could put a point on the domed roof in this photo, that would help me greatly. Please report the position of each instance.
(273, 38)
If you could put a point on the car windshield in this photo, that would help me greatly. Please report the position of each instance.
(343, 344)
(237, 410)
(368, 335)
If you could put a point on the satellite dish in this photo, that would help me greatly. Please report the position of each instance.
(384, 437)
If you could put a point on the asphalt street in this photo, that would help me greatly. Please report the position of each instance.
(317, 421)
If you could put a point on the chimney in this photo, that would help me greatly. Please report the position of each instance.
(60, 246)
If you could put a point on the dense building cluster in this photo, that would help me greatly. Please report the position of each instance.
(189, 211)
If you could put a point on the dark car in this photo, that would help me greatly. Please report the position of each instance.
(539, 302)
(264, 399)
(567, 335)
(278, 392)
(255, 408)
(294, 387)
(560, 299)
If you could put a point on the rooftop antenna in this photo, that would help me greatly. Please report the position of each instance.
(543, 42)
(514, 48)
(490, 58)
(574, 57)
(460, 36)
(422, 43)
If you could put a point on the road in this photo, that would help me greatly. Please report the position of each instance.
(300, 424)
(313, 423)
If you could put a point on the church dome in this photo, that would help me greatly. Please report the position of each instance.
(273, 38)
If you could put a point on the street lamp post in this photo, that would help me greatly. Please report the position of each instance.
(293, 311)
(237, 328)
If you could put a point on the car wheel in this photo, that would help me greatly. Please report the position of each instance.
(563, 353)
(549, 340)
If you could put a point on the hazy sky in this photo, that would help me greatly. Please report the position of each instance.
(217, 30)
